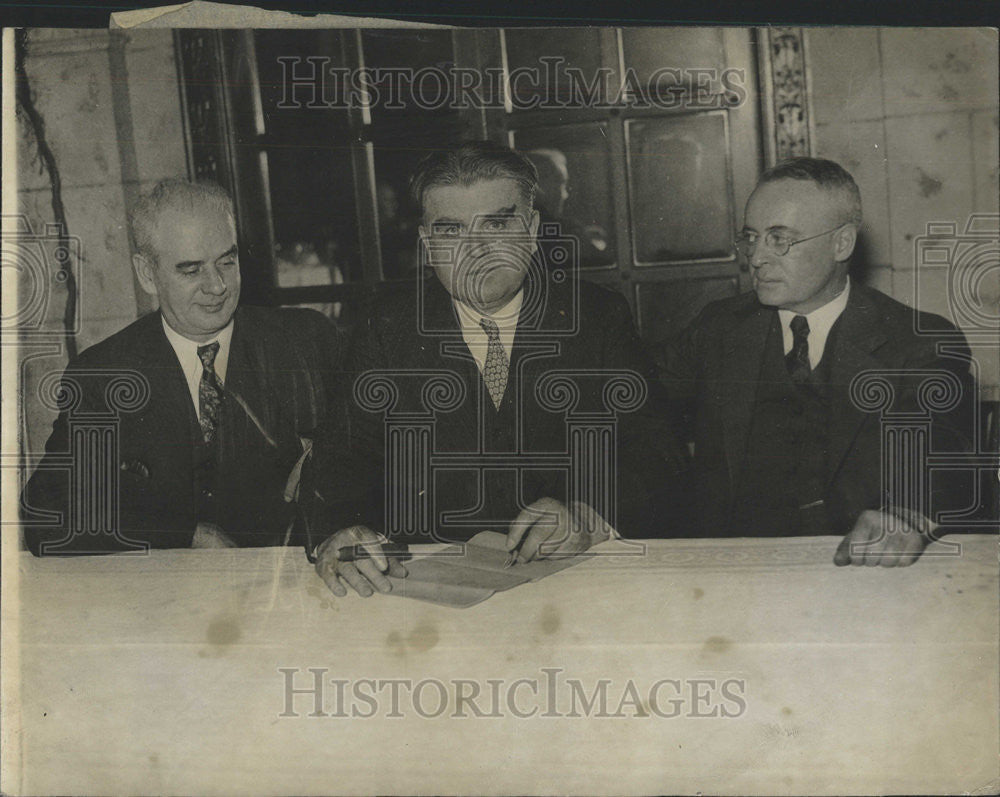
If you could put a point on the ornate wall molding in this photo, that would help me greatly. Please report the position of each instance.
(787, 106)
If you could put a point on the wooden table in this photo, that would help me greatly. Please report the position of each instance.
(167, 674)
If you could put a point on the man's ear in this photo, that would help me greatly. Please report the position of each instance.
(533, 222)
(844, 241)
(143, 267)
(424, 253)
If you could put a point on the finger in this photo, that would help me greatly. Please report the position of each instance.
(522, 525)
(529, 547)
(548, 530)
(842, 556)
(565, 541)
(329, 577)
(891, 554)
(865, 547)
(368, 569)
(351, 575)
(325, 549)
(396, 569)
(916, 543)
(577, 543)
(372, 543)
(905, 545)
(890, 538)
(225, 541)
(591, 523)
(326, 561)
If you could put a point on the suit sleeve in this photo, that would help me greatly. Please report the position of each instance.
(679, 373)
(328, 350)
(952, 423)
(343, 479)
(653, 466)
(46, 510)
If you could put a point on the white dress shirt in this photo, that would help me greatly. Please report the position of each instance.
(820, 320)
(475, 336)
(187, 355)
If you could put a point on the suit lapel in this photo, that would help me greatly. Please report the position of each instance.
(439, 316)
(543, 309)
(171, 407)
(745, 345)
(857, 335)
(247, 377)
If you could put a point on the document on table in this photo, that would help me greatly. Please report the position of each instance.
(466, 574)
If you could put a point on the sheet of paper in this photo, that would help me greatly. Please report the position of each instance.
(488, 550)
(464, 575)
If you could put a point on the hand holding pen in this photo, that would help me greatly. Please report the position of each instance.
(545, 529)
(361, 559)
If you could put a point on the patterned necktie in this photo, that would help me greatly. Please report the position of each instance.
(797, 359)
(496, 366)
(209, 392)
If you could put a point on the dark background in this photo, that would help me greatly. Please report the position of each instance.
(949, 13)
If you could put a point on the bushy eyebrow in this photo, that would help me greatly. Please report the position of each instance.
(508, 211)
(499, 213)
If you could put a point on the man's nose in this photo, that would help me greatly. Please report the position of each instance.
(481, 248)
(757, 255)
(213, 283)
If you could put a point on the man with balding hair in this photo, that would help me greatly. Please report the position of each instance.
(785, 443)
(218, 400)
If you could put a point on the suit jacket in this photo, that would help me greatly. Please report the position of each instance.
(279, 380)
(713, 371)
(573, 326)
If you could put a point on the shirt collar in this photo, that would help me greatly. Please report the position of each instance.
(822, 317)
(821, 321)
(187, 349)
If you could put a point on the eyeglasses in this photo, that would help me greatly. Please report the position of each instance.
(777, 243)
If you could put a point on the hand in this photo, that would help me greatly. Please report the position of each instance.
(549, 529)
(886, 539)
(365, 575)
(208, 535)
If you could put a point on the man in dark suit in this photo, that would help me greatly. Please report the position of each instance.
(193, 416)
(502, 366)
(788, 437)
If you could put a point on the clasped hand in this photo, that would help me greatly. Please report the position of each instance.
(882, 538)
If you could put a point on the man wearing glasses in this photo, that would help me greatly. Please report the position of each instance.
(783, 446)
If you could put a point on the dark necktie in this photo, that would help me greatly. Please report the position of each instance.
(797, 359)
(209, 392)
(496, 366)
